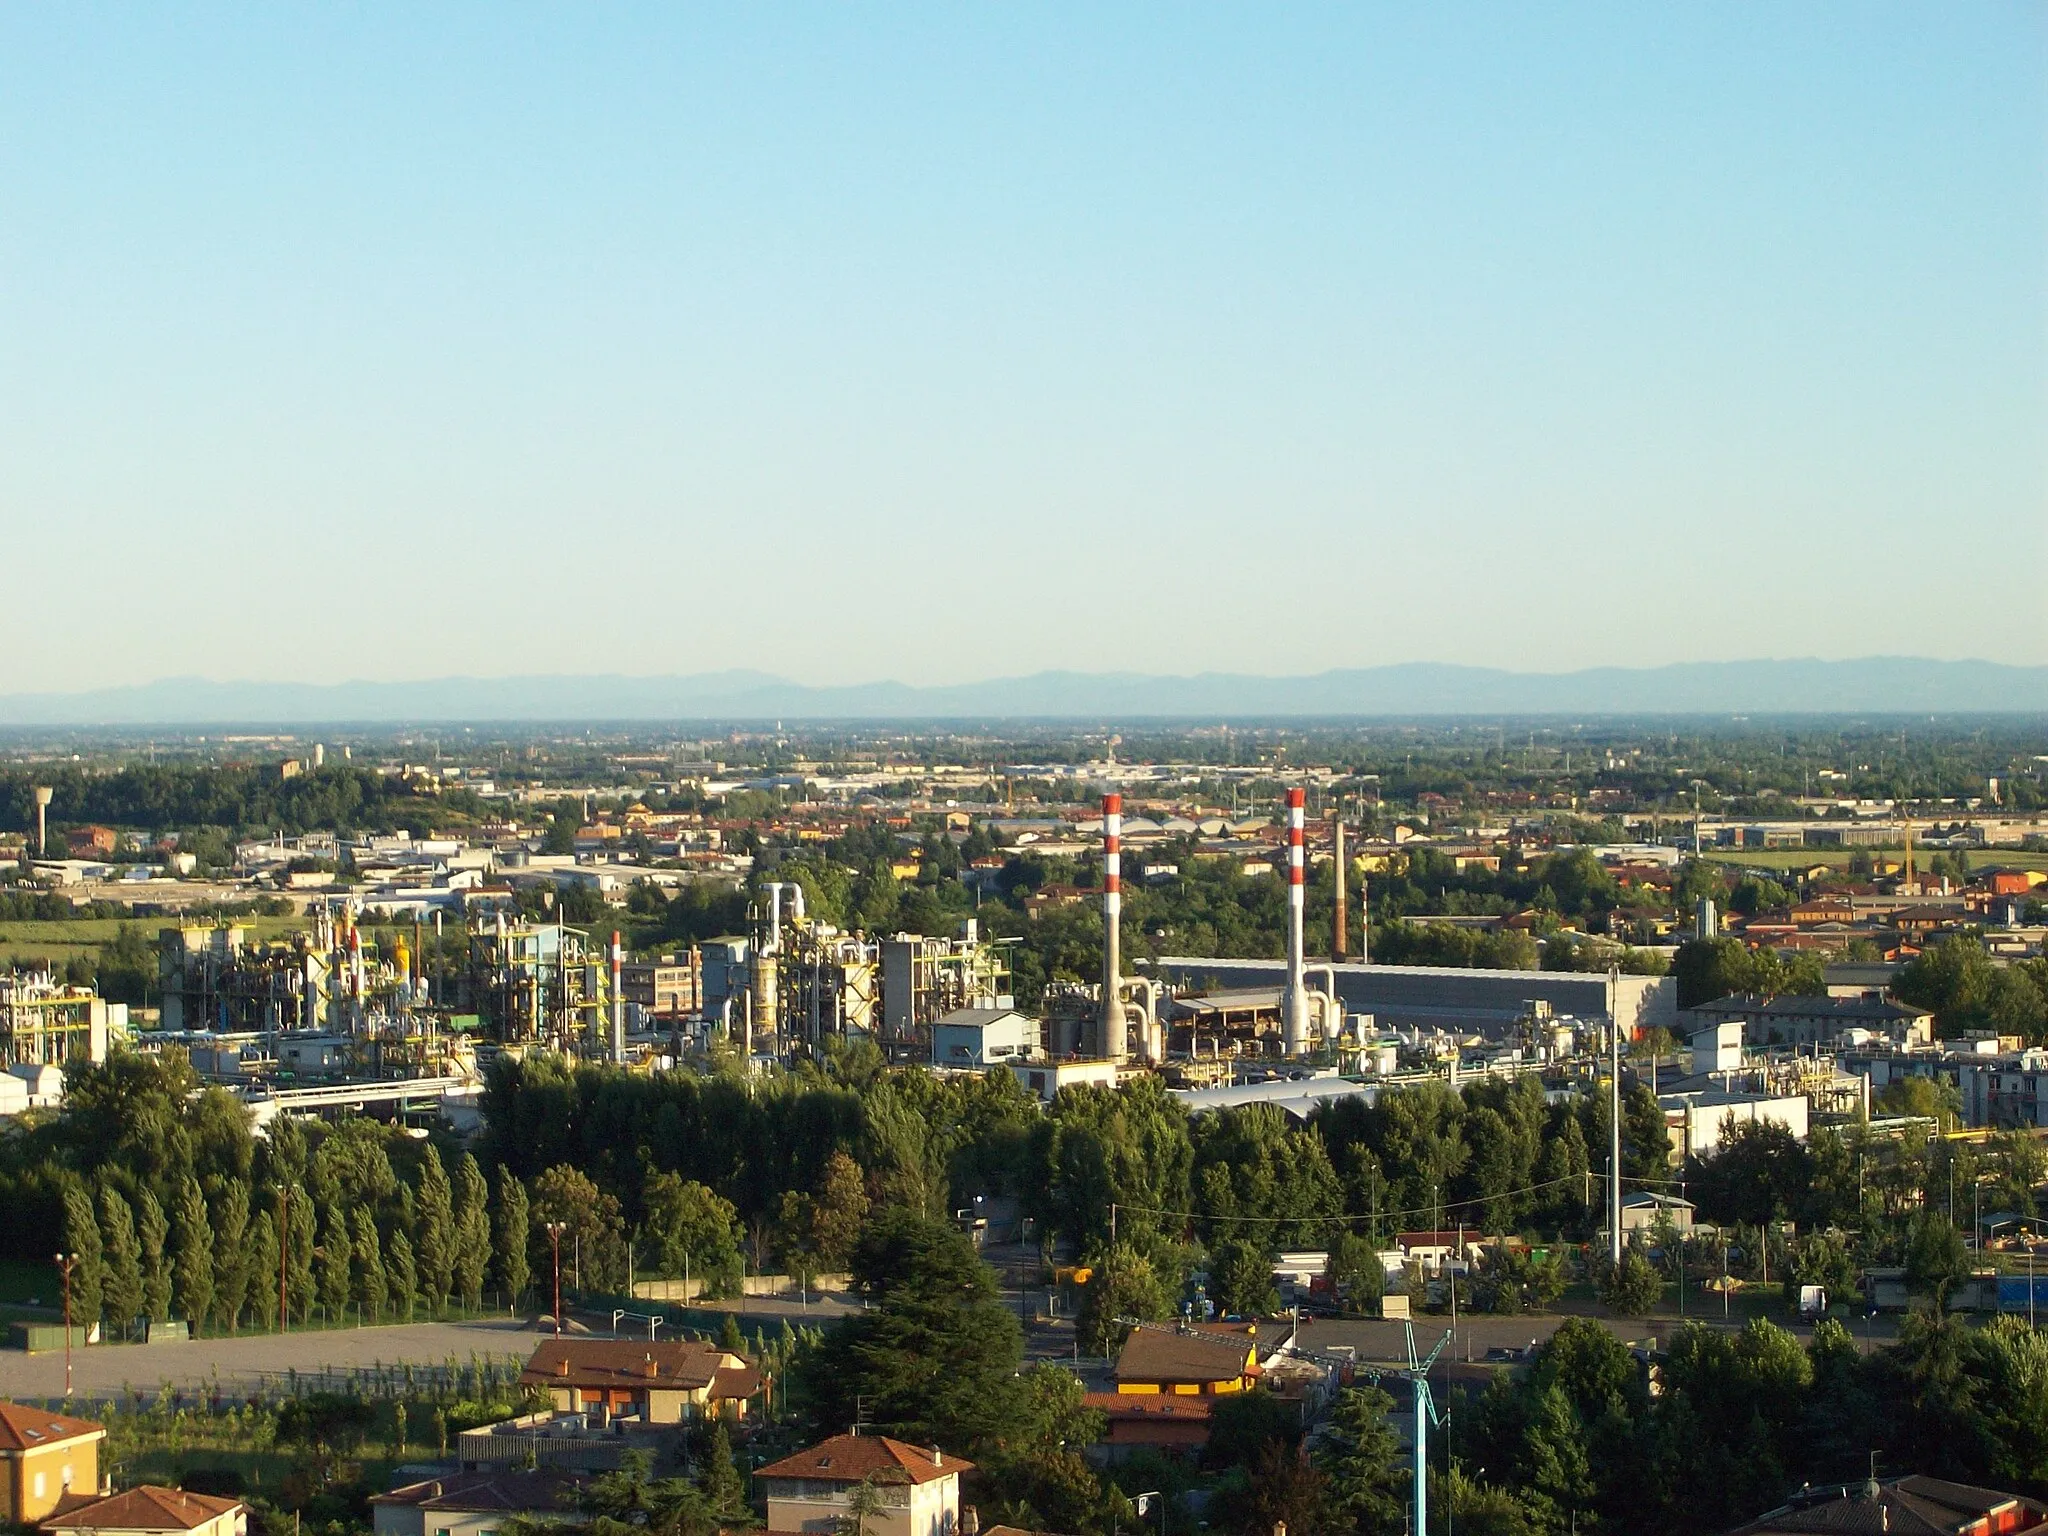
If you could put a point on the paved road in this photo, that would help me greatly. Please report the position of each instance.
(242, 1363)
(1379, 1340)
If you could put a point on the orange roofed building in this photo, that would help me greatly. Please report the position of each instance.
(151, 1511)
(812, 1491)
(43, 1457)
(1186, 1364)
(661, 1383)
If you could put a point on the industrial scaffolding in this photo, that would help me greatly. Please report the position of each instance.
(45, 1024)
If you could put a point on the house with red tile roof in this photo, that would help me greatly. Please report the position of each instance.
(918, 1487)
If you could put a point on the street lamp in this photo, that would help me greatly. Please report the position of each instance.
(555, 1229)
(66, 1262)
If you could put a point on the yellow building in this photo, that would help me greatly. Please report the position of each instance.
(43, 1457)
(1190, 1364)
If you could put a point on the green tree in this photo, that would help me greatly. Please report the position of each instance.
(594, 1225)
(1355, 1273)
(1362, 1461)
(434, 1217)
(718, 1479)
(934, 1357)
(514, 1231)
(1241, 1276)
(82, 1242)
(1936, 1259)
(302, 1287)
(694, 1231)
(263, 1270)
(1633, 1287)
(234, 1270)
(153, 1229)
(124, 1290)
(192, 1263)
(333, 1261)
(472, 1232)
(1121, 1284)
(401, 1275)
(371, 1286)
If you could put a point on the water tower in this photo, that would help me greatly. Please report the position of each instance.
(43, 796)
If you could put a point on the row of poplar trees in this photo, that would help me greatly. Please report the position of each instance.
(229, 1251)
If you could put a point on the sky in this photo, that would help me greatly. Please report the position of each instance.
(946, 342)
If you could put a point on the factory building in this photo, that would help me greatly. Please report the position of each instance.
(44, 1023)
(1427, 998)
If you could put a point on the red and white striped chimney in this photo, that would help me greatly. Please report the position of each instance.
(1294, 1001)
(1111, 1013)
(618, 999)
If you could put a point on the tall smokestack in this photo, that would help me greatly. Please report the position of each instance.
(43, 795)
(1112, 1014)
(1294, 1001)
(618, 1000)
(1338, 936)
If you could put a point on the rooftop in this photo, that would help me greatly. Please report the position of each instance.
(30, 1429)
(147, 1508)
(1167, 1355)
(855, 1458)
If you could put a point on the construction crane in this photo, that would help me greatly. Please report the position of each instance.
(1416, 1374)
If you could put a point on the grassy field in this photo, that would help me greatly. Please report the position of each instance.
(1807, 858)
(62, 941)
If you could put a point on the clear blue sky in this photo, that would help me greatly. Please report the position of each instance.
(946, 342)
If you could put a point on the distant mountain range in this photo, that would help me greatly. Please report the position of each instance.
(1873, 685)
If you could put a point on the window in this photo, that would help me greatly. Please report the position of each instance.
(38, 1486)
(67, 1474)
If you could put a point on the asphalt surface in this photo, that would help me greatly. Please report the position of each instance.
(247, 1362)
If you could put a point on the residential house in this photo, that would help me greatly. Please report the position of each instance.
(43, 1457)
(1929, 1506)
(475, 1503)
(149, 1510)
(658, 1383)
(1184, 1362)
(813, 1491)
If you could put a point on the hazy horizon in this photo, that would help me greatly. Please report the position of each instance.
(941, 345)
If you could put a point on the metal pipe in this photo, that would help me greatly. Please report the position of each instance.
(1338, 934)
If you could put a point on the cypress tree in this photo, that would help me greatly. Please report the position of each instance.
(436, 1230)
(302, 1286)
(123, 1283)
(402, 1275)
(514, 1229)
(371, 1286)
(154, 1229)
(262, 1246)
(192, 1261)
(332, 1263)
(472, 1231)
(82, 1241)
(718, 1479)
(234, 1268)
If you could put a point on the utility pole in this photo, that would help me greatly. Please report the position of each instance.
(65, 1263)
(555, 1229)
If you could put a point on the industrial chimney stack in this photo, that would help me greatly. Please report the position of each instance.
(1111, 1014)
(43, 794)
(1294, 1001)
(618, 1001)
